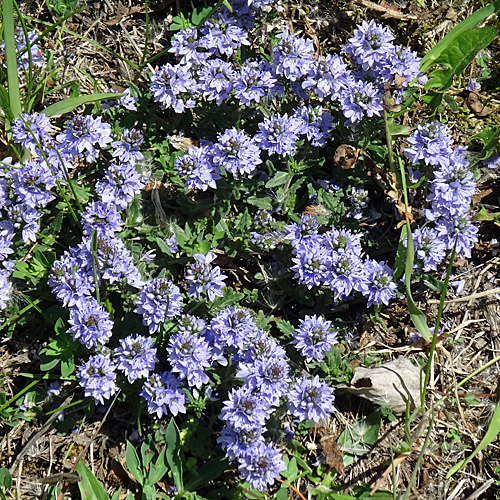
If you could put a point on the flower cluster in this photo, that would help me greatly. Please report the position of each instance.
(449, 225)
(334, 259)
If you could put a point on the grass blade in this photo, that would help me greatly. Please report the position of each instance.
(11, 57)
(489, 437)
(69, 104)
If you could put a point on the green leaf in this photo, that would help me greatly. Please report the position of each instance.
(417, 316)
(399, 264)
(285, 327)
(5, 478)
(11, 58)
(490, 436)
(67, 105)
(133, 463)
(458, 55)
(489, 136)
(358, 438)
(173, 440)
(470, 22)
(207, 473)
(279, 179)
(452, 104)
(90, 487)
(263, 203)
(159, 469)
(395, 129)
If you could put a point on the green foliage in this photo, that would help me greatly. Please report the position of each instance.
(5, 482)
(490, 436)
(358, 438)
(89, 485)
(146, 470)
(61, 7)
(454, 53)
(458, 56)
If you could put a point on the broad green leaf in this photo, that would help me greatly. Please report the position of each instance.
(279, 179)
(260, 202)
(491, 434)
(173, 441)
(133, 463)
(207, 473)
(90, 487)
(469, 23)
(5, 478)
(358, 438)
(67, 105)
(458, 55)
(489, 136)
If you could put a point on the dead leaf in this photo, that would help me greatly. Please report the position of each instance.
(346, 156)
(391, 384)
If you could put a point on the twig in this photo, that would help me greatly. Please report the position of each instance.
(387, 10)
(38, 435)
(86, 447)
(469, 297)
(481, 489)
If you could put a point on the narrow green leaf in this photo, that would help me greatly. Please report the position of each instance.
(159, 469)
(173, 441)
(11, 58)
(133, 463)
(399, 264)
(69, 104)
(417, 316)
(90, 487)
(491, 434)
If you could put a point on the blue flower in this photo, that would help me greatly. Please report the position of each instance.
(360, 99)
(136, 357)
(381, 288)
(431, 143)
(32, 130)
(159, 300)
(128, 149)
(90, 322)
(82, 136)
(174, 87)
(245, 409)
(189, 355)
(120, 184)
(235, 152)
(369, 45)
(310, 399)
(203, 277)
(97, 376)
(314, 337)
(163, 396)
(215, 80)
(261, 466)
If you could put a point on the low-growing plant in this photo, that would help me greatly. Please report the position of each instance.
(207, 242)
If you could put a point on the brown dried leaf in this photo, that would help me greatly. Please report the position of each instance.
(346, 156)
